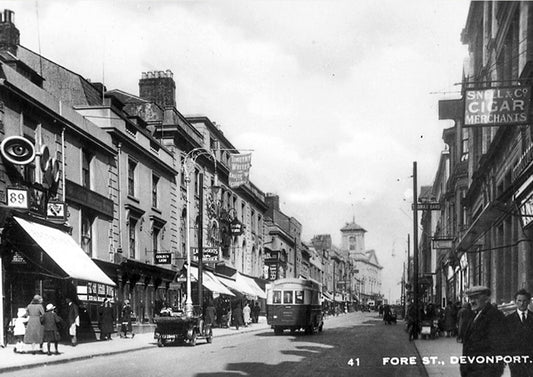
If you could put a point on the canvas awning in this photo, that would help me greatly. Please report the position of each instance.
(65, 252)
(327, 296)
(252, 285)
(486, 219)
(211, 282)
(238, 287)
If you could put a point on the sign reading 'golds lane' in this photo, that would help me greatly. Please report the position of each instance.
(497, 106)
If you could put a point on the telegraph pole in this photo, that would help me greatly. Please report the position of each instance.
(415, 246)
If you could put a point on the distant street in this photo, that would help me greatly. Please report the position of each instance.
(355, 338)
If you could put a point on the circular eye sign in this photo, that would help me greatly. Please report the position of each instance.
(17, 150)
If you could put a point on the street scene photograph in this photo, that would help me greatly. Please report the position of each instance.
(266, 188)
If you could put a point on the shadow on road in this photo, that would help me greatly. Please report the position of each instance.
(347, 350)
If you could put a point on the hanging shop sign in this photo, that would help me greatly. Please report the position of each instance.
(55, 210)
(162, 258)
(442, 243)
(17, 150)
(239, 170)
(236, 227)
(526, 211)
(507, 106)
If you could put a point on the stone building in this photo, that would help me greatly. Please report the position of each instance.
(488, 193)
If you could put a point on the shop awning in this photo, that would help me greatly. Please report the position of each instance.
(327, 296)
(253, 287)
(65, 252)
(486, 219)
(210, 282)
(238, 287)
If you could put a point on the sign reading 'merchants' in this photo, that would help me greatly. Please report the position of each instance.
(497, 106)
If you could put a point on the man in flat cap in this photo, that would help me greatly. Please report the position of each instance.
(484, 336)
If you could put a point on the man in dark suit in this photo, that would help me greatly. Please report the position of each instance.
(484, 335)
(520, 325)
(73, 320)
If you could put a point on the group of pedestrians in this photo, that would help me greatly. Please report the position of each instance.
(490, 333)
(489, 338)
(36, 325)
(244, 316)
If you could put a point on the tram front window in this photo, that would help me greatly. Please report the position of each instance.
(276, 298)
(299, 297)
(287, 297)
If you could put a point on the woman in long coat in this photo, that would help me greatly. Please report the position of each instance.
(237, 315)
(34, 328)
(106, 320)
(450, 320)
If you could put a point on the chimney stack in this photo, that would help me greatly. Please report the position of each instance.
(272, 201)
(9, 34)
(158, 87)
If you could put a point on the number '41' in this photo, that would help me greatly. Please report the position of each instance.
(353, 362)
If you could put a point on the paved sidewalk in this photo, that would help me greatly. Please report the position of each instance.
(442, 350)
(10, 360)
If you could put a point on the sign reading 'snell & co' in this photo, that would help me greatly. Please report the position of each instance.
(497, 106)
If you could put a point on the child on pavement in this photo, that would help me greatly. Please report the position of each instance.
(51, 321)
(19, 329)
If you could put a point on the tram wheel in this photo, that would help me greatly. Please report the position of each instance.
(278, 330)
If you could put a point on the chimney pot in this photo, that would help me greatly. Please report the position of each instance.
(159, 87)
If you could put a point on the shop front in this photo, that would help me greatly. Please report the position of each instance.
(42, 258)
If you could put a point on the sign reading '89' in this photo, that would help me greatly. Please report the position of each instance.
(17, 198)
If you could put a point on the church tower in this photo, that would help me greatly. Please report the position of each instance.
(353, 239)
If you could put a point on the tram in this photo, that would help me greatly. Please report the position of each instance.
(294, 304)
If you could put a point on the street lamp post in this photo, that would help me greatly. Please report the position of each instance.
(189, 163)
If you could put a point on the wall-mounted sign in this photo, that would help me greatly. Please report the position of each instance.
(17, 197)
(429, 206)
(497, 106)
(209, 253)
(163, 258)
(442, 243)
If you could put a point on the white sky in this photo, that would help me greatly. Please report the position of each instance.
(336, 98)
